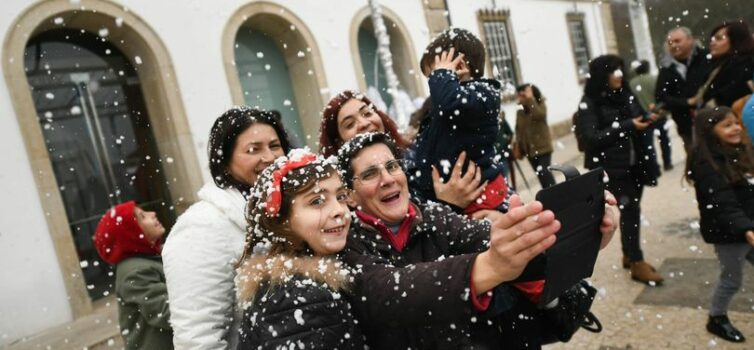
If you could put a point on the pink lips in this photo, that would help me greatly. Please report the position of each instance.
(392, 198)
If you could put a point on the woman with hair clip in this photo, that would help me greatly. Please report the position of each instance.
(721, 167)
(291, 294)
(206, 242)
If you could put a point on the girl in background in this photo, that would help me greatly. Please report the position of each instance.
(721, 167)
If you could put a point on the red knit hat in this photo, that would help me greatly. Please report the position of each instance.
(118, 235)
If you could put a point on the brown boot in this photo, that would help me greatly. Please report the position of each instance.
(645, 273)
(626, 263)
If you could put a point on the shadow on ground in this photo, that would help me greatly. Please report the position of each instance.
(689, 283)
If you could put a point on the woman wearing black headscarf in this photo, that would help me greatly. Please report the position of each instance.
(611, 125)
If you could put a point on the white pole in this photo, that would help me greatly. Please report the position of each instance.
(642, 37)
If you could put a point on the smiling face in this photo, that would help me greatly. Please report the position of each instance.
(728, 130)
(719, 44)
(357, 117)
(384, 196)
(255, 149)
(149, 224)
(320, 216)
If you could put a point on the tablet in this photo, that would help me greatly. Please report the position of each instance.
(578, 203)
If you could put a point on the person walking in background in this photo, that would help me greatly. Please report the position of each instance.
(611, 124)
(532, 137)
(643, 86)
(721, 166)
(206, 242)
(131, 239)
(732, 50)
(683, 70)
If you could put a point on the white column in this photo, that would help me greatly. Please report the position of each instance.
(642, 36)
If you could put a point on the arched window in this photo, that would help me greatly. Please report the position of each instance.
(91, 88)
(266, 79)
(96, 129)
(272, 62)
(405, 61)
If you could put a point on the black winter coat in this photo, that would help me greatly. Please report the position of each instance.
(610, 139)
(674, 91)
(290, 310)
(726, 210)
(464, 117)
(730, 83)
(419, 298)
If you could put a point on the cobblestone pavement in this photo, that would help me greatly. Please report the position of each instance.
(669, 230)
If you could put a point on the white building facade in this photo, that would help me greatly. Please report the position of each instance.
(111, 100)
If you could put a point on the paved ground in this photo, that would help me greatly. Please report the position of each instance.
(672, 316)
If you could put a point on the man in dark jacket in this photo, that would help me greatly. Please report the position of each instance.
(682, 72)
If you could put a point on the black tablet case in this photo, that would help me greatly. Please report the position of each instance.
(578, 203)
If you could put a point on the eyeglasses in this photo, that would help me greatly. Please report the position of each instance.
(372, 173)
(719, 37)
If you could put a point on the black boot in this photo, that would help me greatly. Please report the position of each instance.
(721, 327)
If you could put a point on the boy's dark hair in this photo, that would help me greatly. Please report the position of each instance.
(739, 159)
(222, 140)
(642, 68)
(352, 148)
(464, 42)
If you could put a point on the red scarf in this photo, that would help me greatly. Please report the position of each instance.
(397, 240)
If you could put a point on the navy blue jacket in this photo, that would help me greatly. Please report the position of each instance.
(464, 117)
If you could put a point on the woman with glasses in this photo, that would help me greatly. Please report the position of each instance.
(350, 113)
(428, 278)
(732, 51)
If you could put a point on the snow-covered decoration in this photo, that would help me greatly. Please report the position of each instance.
(373, 94)
(637, 11)
(401, 105)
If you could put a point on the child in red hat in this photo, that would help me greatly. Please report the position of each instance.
(131, 239)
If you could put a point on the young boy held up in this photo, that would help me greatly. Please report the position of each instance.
(463, 118)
